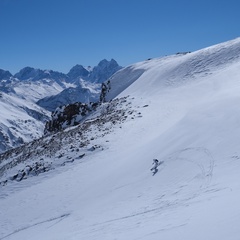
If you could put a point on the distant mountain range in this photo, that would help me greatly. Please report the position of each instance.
(96, 74)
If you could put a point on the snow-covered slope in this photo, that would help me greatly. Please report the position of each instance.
(21, 121)
(181, 109)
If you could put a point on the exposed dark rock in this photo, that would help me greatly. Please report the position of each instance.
(69, 115)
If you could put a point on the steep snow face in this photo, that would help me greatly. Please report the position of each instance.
(176, 70)
(182, 110)
(34, 91)
(21, 121)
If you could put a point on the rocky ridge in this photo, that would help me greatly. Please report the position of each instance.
(69, 145)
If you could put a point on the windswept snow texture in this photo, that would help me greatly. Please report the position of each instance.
(183, 110)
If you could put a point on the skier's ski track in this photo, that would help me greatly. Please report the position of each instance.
(206, 164)
(54, 219)
(179, 196)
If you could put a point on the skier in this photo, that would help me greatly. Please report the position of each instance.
(155, 165)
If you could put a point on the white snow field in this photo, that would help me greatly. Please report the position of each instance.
(190, 108)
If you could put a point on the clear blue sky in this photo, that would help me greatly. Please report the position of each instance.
(58, 34)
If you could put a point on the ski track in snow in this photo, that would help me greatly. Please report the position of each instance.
(199, 156)
(53, 221)
(205, 165)
(170, 200)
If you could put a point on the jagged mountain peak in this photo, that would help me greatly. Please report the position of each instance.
(98, 73)
(30, 73)
(104, 70)
(105, 63)
(5, 75)
(87, 82)
(27, 73)
(78, 71)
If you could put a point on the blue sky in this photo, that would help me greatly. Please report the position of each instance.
(58, 34)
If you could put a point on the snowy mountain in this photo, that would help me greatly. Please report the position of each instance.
(67, 95)
(104, 70)
(78, 71)
(36, 80)
(88, 82)
(47, 89)
(33, 74)
(86, 92)
(21, 121)
(93, 180)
